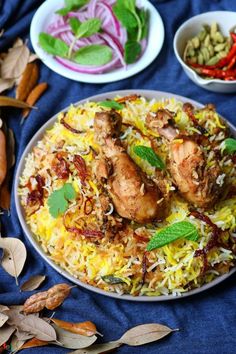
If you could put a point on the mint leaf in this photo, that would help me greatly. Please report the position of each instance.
(71, 5)
(229, 145)
(85, 29)
(53, 45)
(144, 18)
(148, 154)
(74, 24)
(111, 104)
(132, 51)
(58, 200)
(93, 54)
(182, 229)
(126, 18)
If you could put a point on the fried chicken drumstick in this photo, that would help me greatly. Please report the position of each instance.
(196, 181)
(134, 195)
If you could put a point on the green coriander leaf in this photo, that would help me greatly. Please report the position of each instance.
(57, 203)
(126, 18)
(58, 200)
(130, 5)
(93, 54)
(74, 24)
(132, 51)
(182, 229)
(53, 45)
(88, 28)
(111, 279)
(229, 145)
(69, 191)
(148, 154)
(111, 104)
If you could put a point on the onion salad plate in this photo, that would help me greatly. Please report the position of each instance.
(29, 234)
(43, 18)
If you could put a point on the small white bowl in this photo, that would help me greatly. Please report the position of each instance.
(43, 17)
(226, 20)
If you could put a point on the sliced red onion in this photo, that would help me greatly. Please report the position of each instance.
(107, 37)
(88, 69)
(114, 20)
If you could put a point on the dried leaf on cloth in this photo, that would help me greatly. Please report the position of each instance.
(135, 336)
(72, 340)
(32, 283)
(5, 333)
(51, 299)
(13, 102)
(15, 62)
(32, 325)
(6, 84)
(14, 256)
(84, 328)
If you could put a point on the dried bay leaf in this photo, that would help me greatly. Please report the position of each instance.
(28, 81)
(32, 57)
(84, 328)
(3, 319)
(145, 333)
(32, 325)
(71, 340)
(14, 256)
(98, 348)
(5, 334)
(6, 84)
(32, 283)
(15, 62)
(3, 308)
(135, 336)
(51, 299)
(13, 102)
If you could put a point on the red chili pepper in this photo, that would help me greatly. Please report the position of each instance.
(232, 62)
(218, 74)
(233, 36)
(221, 63)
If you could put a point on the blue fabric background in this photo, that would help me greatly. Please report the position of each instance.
(208, 320)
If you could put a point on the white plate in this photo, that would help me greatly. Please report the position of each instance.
(43, 17)
(20, 211)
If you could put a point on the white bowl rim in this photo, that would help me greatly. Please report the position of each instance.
(29, 234)
(198, 77)
(115, 75)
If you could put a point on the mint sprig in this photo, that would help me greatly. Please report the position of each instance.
(111, 104)
(58, 200)
(148, 154)
(182, 229)
(54, 46)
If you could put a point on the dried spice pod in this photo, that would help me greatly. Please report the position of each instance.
(34, 95)
(50, 299)
(28, 81)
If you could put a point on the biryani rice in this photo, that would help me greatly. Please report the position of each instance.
(172, 269)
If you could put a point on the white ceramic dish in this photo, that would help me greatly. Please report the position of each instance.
(226, 21)
(43, 17)
(30, 236)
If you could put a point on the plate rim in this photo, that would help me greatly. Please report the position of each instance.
(29, 234)
(113, 76)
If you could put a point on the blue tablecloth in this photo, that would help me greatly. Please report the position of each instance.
(207, 321)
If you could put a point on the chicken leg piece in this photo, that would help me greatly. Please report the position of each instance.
(187, 164)
(134, 195)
